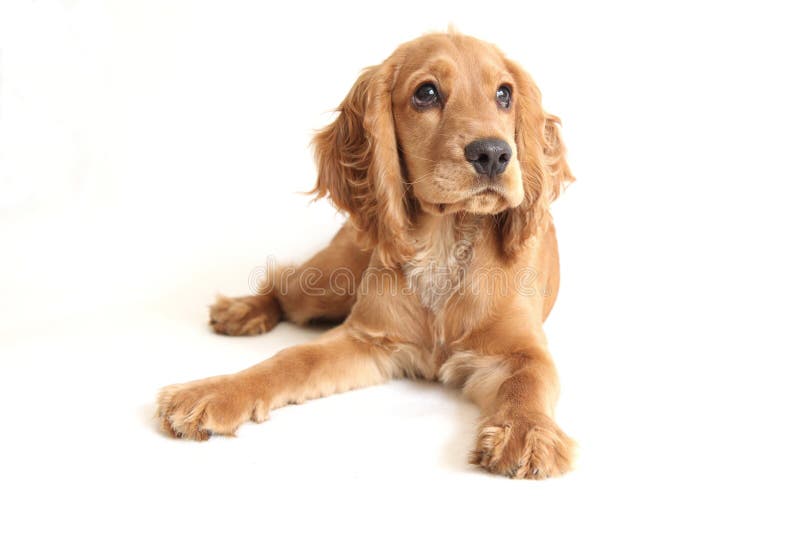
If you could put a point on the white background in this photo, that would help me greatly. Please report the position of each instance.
(150, 156)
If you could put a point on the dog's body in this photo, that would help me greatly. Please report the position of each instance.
(446, 164)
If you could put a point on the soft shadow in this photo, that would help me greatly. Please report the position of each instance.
(455, 454)
(148, 418)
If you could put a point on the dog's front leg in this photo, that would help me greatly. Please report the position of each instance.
(338, 361)
(516, 391)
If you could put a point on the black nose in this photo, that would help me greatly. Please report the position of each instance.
(488, 156)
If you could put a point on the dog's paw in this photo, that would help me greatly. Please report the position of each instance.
(244, 316)
(523, 447)
(217, 405)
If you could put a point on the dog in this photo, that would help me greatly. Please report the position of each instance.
(446, 165)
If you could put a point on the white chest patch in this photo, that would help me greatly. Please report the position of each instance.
(439, 267)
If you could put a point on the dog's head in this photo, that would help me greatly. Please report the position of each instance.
(445, 124)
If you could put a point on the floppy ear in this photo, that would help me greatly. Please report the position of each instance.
(542, 159)
(358, 165)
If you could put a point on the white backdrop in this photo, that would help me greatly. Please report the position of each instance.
(150, 156)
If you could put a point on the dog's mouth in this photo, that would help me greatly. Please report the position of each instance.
(475, 194)
(485, 199)
(490, 192)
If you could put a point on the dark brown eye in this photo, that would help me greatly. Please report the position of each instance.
(426, 96)
(503, 96)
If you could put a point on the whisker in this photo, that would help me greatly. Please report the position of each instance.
(415, 156)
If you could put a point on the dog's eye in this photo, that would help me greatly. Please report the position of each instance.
(503, 96)
(425, 96)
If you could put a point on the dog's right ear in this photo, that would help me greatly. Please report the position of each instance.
(359, 166)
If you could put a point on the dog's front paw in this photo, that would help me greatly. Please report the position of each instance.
(530, 446)
(244, 316)
(216, 405)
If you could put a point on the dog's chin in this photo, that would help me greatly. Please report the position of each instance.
(486, 202)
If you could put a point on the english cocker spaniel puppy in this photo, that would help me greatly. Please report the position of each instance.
(446, 268)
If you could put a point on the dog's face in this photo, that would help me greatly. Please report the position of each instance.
(446, 124)
(454, 111)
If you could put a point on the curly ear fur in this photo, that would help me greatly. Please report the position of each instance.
(542, 160)
(359, 165)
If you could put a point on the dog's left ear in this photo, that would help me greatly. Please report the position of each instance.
(542, 159)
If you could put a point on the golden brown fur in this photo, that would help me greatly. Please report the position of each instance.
(454, 278)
